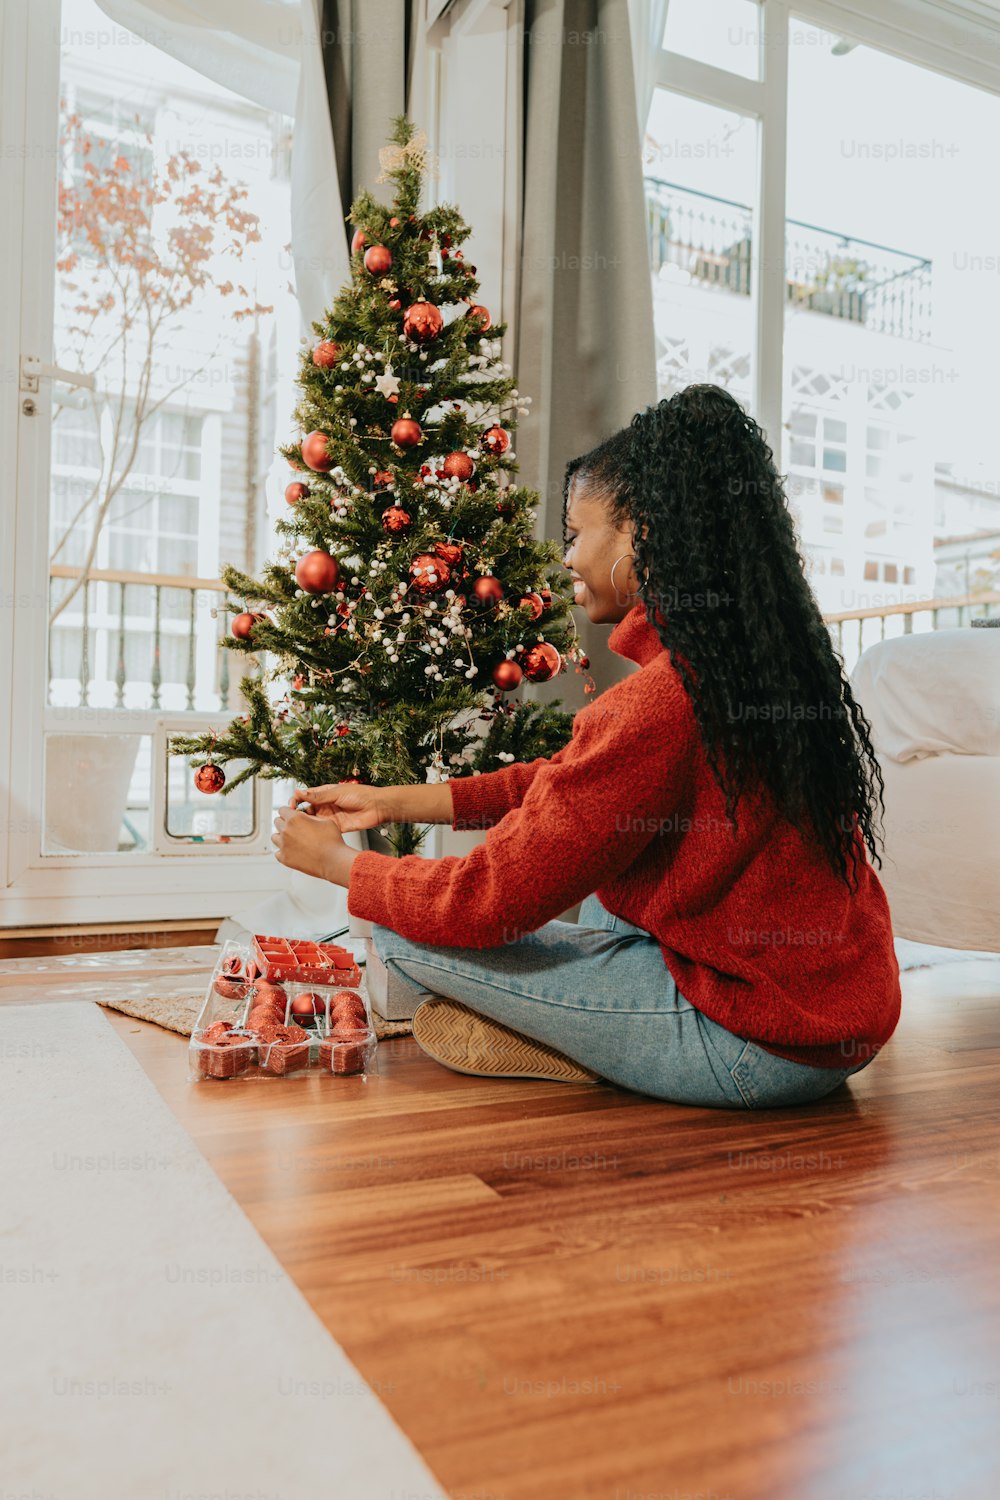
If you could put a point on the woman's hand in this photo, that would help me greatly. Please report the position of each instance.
(348, 804)
(314, 846)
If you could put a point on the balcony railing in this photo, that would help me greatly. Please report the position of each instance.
(167, 611)
(962, 609)
(710, 238)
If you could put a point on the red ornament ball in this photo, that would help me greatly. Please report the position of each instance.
(406, 433)
(541, 662)
(507, 675)
(487, 590)
(229, 988)
(459, 466)
(317, 572)
(209, 779)
(532, 602)
(422, 322)
(266, 992)
(495, 440)
(450, 552)
(308, 1005)
(395, 303)
(297, 491)
(395, 521)
(326, 354)
(429, 572)
(316, 452)
(359, 241)
(545, 594)
(480, 315)
(242, 626)
(378, 259)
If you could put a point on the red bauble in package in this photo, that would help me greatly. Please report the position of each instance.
(308, 1005)
(229, 987)
(242, 626)
(326, 354)
(422, 322)
(532, 603)
(507, 675)
(317, 572)
(209, 779)
(487, 590)
(406, 433)
(449, 552)
(395, 520)
(429, 572)
(359, 241)
(297, 491)
(481, 315)
(216, 1031)
(495, 440)
(263, 1016)
(459, 466)
(348, 1002)
(316, 452)
(540, 662)
(265, 992)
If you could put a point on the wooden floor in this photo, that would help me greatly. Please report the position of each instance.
(566, 1291)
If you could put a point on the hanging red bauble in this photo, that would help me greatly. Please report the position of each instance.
(406, 433)
(316, 452)
(495, 440)
(326, 354)
(297, 491)
(317, 572)
(481, 315)
(429, 573)
(532, 602)
(359, 241)
(394, 222)
(378, 259)
(585, 662)
(450, 552)
(542, 661)
(459, 466)
(487, 590)
(209, 778)
(243, 625)
(395, 520)
(395, 304)
(422, 322)
(507, 675)
(383, 480)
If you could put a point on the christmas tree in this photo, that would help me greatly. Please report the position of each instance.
(409, 596)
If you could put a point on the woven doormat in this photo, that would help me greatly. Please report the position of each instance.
(178, 1012)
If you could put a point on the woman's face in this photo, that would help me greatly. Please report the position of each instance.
(593, 543)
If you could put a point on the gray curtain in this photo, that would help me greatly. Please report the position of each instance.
(369, 54)
(584, 318)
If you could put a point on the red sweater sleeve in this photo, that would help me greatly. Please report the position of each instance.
(585, 817)
(481, 801)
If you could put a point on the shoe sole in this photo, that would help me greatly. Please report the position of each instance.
(467, 1042)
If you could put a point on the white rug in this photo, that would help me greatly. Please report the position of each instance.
(927, 955)
(152, 1345)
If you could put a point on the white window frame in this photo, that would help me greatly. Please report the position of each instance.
(40, 890)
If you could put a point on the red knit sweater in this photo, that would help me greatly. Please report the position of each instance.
(755, 927)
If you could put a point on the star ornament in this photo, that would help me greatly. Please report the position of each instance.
(387, 383)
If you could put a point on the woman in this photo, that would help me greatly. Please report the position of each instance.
(714, 809)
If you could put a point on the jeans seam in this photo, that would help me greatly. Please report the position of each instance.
(538, 999)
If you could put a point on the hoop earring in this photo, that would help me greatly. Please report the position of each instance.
(614, 566)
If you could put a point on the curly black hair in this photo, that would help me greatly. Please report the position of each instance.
(725, 588)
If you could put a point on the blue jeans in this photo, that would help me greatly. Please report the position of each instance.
(599, 992)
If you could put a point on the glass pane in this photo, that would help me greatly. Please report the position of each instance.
(96, 793)
(700, 165)
(207, 817)
(886, 307)
(148, 145)
(725, 33)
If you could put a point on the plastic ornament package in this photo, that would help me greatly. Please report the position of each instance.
(282, 1008)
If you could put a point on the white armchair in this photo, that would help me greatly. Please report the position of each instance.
(933, 701)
